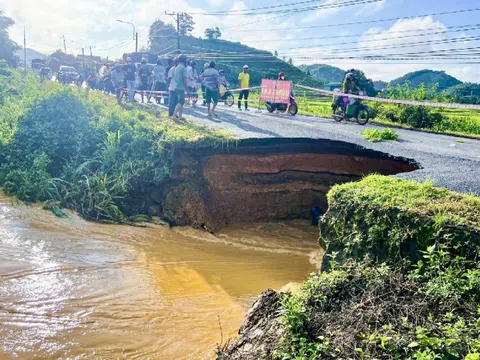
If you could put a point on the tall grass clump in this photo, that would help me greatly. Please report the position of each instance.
(80, 150)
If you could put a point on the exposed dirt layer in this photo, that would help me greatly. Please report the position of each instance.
(262, 179)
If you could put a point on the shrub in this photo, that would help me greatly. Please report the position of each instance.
(375, 135)
(389, 220)
(419, 117)
(81, 150)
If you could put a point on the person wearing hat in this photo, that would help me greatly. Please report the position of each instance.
(118, 77)
(244, 84)
(130, 72)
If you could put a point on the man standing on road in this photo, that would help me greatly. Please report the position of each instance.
(172, 102)
(180, 79)
(167, 71)
(211, 79)
(192, 77)
(130, 72)
(160, 83)
(144, 74)
(118, 77)
(244, 84)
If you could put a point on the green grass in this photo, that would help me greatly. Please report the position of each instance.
(78, 149)
(456, 122)
(375, 135)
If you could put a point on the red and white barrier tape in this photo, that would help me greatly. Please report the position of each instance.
(393, 101)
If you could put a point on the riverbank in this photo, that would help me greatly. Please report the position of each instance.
(399, 280)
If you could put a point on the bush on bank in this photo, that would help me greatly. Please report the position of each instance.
(402, 278)
(80, 150)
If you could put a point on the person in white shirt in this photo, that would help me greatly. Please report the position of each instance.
(159, 83)
(192, 77)
(172, 102)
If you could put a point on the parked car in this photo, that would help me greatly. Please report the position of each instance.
(67, 74)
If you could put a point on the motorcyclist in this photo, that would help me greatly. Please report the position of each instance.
(223, 79)
(223, 83)
(350, 85)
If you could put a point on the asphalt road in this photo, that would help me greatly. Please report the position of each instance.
(448, 161)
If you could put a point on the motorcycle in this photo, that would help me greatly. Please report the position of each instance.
(292, 107)
(227, 97)
(344, 109)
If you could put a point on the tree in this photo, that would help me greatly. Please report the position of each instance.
(160, 36)
(276, 53)
(290, 61)
(186, 24)
(213, 33)
(7, 46)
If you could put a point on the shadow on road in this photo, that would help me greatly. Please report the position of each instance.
(228, 117)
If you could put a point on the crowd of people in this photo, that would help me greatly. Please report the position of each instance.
(175, 85)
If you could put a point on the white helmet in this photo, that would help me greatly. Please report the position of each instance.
(245, 66)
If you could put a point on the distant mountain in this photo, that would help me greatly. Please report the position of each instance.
(429, 78)
(31, 54)
(324, 73)
(229, 56)
(380, 85)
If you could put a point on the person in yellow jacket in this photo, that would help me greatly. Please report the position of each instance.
(244, 84)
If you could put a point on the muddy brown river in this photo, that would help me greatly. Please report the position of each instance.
(71, 289)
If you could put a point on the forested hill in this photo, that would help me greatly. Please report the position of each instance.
(429, 78)
(231, 57)
(324, 73)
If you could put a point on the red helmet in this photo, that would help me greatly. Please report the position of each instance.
(281, 75)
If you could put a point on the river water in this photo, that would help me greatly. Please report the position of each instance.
(70, 289)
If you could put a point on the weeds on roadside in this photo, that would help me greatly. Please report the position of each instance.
(375, 135)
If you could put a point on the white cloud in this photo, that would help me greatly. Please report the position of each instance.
(371, 8)
(321, 14)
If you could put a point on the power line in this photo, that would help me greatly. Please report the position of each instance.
(284, 15)
(364, 22)
(385, 47)
(291, 11)
(444, 30)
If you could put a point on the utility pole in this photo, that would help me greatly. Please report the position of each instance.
(135, 34)
(64, 44)
(83, 57)
(25, 48)
(178, 28)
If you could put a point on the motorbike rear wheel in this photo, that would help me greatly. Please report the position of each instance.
(229, 100)
(338, 114)
(363, 115)
(293, 110)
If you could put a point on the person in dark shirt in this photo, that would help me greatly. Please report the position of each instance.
(144, 75)
(130, 72)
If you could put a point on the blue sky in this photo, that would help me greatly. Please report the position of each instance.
(92, 22)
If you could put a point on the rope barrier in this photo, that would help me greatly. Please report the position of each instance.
(393, 101)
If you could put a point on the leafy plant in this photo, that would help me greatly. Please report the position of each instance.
(375, 135)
